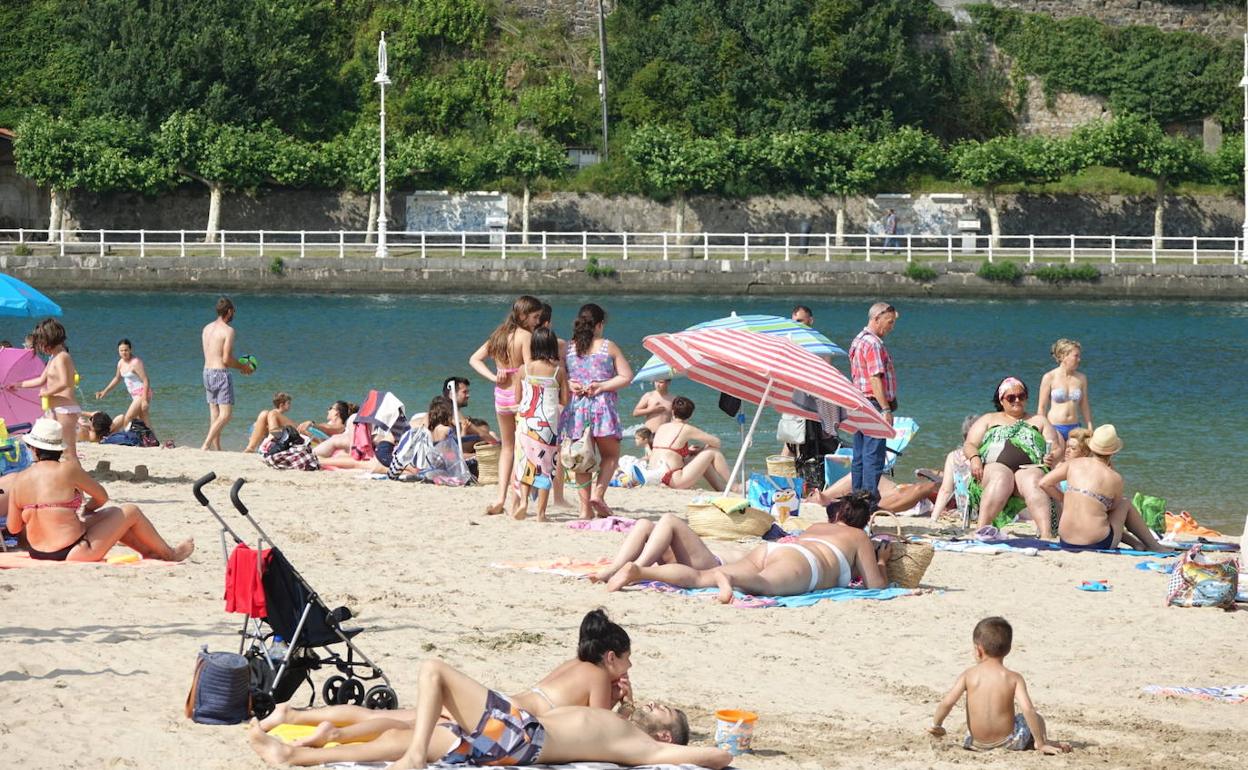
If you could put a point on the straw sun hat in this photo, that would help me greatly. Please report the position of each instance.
(1105, 441)
(46, 434)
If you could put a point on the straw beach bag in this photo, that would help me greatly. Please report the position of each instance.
(909, 559)
(709, 520)
(487, 462)
(779, 465)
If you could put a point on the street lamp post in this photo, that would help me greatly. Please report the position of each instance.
(1243, 83)
(382, 80)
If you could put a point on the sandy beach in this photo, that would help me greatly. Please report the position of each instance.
(96, 660)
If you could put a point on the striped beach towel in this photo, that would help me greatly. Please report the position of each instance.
(1237, 693)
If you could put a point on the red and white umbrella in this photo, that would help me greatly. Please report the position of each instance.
(766, 369)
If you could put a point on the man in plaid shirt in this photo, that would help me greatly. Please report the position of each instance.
(872, 370)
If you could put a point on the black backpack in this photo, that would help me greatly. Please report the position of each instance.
(145, 434)
(283, 439)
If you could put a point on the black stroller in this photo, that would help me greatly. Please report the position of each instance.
(295, 612)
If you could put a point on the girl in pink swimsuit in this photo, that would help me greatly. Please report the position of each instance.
(508, 347)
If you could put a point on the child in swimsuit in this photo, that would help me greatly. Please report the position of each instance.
(992, 690)
(57, 382)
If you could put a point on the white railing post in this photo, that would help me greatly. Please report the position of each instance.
(786, 245)
(302, 244)
(827, 247)
(747, 247)
(463, 243)
(21, 235)
(624, 246)
(101, 242)
(909, 254)
(706, 245)
(950, 236)
(61, 249)
(1113, 249)
(1072, 249)
(664, 246)
(142, 244)
(422, 244)
(342, 245)
(221, 240)
(1031, 249)
(584, 245)
(1153, 247)
(181, 243)
(868, 240)
(543, 244)
(1195, 245)
(504, 245)
(262, 243)
(991, 244)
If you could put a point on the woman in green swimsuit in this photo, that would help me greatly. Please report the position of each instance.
(1008, 450)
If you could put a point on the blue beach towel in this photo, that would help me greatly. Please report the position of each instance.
(1046, 545)
(800, 600)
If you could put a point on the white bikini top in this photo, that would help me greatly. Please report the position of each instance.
(1061, 396)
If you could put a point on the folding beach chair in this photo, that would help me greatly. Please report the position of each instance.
(906, 427)
(294, 611)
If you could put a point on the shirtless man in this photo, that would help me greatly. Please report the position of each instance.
(655, 406)
(500, 733)
(218, 340)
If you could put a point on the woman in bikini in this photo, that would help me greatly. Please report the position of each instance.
(130, 370)
(824, 556)
(670, 540)
(508, 347)
(1094, 510)
(56, 384)
(1064, 390)
(45, 500)
(596, 371)
(683, 465)
(597, 677)
(1010, 450)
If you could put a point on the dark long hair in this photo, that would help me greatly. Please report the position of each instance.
(544, 346)
(589, 316)
(600, 636)
(440, 412)
(343, 409)
(496, 345)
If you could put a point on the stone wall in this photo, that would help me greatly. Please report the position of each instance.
(1214, 19)
(22, 203)
(1062, 114)
(580, 16)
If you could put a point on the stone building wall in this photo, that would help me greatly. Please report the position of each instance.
(581, 16)
(1213, 19)
(1061, 115)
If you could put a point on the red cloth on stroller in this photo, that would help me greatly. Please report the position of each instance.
(244, 591)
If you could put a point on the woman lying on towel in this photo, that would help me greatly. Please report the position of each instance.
(670, 540)
(45, 498)
(824, 556)
(597, 677)
(680, 464)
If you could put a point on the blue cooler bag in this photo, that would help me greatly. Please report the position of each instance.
(221, 689)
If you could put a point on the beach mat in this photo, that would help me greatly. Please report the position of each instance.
(748, 601)
(1049, 545)
(21, 559)
(565, 567)
(570, 766)
(1233, 694)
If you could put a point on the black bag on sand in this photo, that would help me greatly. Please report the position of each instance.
(220, 690)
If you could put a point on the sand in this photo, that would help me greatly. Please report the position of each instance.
(95, 661)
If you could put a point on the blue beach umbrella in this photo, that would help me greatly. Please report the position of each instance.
(20, 299)
(799, 334)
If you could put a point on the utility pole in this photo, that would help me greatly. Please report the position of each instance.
(602, 78)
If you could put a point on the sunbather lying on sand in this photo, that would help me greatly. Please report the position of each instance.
(270, 420)
(824, 556)
(893, 496)
(597, 677)
(670, 540)
(487, 728)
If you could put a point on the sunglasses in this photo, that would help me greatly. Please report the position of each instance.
(1015, 398)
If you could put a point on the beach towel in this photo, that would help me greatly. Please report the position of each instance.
(1048, 545)
(748, 601)
(1236, 693)
(244, 589)
(609, 524)
(570, 766)
(21, 559)
(975, 546)
(565, 567)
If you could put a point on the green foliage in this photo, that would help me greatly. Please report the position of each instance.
(1000, 272)
(526, 157)
(1226, 166)
(21, 250)
(676, 163)
(1140, 147)
(214, 153)
(97, 154)
(917, 271)
(595, 271)
(1066, 273)
(1164, 75)
(277, 266)
(1010, 160)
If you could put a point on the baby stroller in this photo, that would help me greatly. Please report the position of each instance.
(294, 612)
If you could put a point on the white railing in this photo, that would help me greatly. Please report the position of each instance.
(795, 247)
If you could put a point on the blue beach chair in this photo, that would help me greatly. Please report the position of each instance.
(837, 465)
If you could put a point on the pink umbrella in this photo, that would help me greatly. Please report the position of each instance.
(766, 369)
(24, 405)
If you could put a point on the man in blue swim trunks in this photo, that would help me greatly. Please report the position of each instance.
(218, 342)
(504, 734)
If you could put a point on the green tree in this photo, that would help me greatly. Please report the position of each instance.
(526, 156)
(1008, 160)
(1227, 164)
(1139, 146)
(221, 156)
(677, 164)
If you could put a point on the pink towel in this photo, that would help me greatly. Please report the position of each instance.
(609, 524)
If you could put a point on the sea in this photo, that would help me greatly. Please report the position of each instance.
(1168, 374)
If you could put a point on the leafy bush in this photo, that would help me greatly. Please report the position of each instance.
(277, 266)
(1000, 272)
(916, 271)
(593, 270)
(1066, 273)
(21, 250)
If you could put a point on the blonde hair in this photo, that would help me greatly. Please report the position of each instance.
(1080, 437)
(1062, 347)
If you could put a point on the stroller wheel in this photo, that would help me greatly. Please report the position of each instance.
(382, 698)
(261, 704)
(339, 691)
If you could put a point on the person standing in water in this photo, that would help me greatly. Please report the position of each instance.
(219, 359)
(131, 370)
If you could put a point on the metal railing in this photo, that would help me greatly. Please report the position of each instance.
(787, 247)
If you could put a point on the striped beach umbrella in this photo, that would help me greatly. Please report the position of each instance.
(809, 339)
(767, 370)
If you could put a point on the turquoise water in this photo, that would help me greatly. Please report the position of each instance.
(1167, 374)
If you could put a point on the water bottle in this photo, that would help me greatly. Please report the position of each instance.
(277, 650)
(961, 488)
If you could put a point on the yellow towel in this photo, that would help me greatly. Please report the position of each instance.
(730, 504)
(290, 733)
